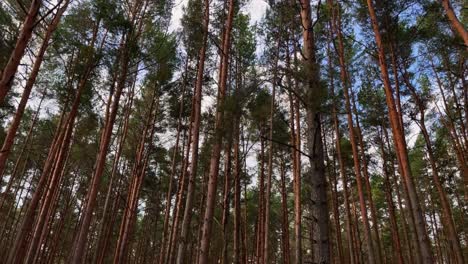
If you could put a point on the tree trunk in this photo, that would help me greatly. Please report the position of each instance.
(357, 163)
(139, 171)
(195, 137)
(316, 177)
(454, 22)
(226, 200)
(105, 227)
(57, 149)
(173, 170)
(391, 207)
(11, 134)
(80, 243)
(286, 255)
(270, 161)
(22, 42)
(215, 155)
(447, 218)
(402, 152)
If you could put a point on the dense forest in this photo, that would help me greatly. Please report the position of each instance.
(233, 131)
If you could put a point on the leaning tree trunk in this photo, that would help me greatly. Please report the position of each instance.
(454, 22)
(25, 35)
(399, 138)
(447, 218)
(17, 251)
(357, 163)
(80, 242)
(11, 134)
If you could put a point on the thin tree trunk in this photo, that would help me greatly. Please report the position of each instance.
(403, 214)
(104, 225)
(195, 137)
(57, 149)
(391, 207)
(139, 171)
(270, 162)
(334, 191)
(286, 255)
(215, 155)
(351, 129)
(80, 242)
(173, 170)
(447, 218)
(226, 200)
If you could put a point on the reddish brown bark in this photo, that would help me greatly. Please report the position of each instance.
(105, 227)
(173, 171)
(226, 199)
(80, 243)
(447, 218)
(25, 35)
(351, 128)
(334, 190)
(56, 156)
(139, 171)
(399, 138)
(215, 155)
(454, 22)
(11, 134)
(195, 137)
(391, 208)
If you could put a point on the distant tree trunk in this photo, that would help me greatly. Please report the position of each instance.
(215, 155)
(334, 190)
(390, 205)
(357, 163)
(105, 226)
(178, 207)
(22, 42)
(295, 128)
(14, 172)
(80, 243)
(316, 177)
(403, 214)
(270, 160)
(56, 155)
(48, 205)
(237, 174)
(286, 255)
(450, 123)
(173, 170)
(261, 200)
(365, 169)
(447, 218)
(195, 137)
(454, 22)
(11, 134)
(226, 199)
(399, 139)
(139, 171)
